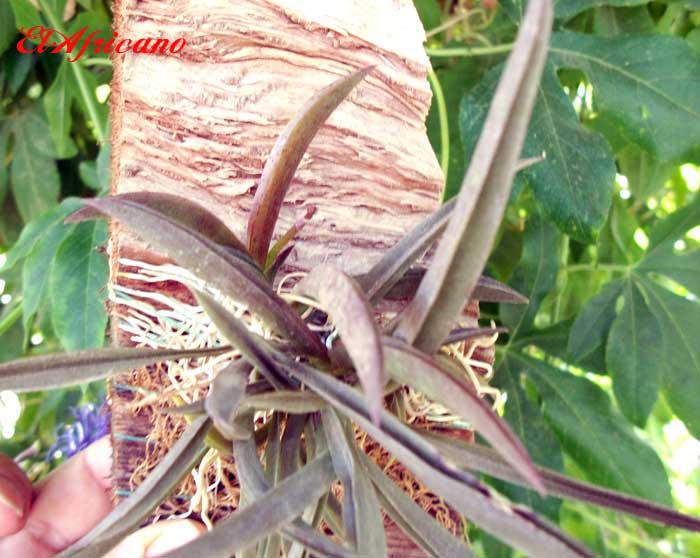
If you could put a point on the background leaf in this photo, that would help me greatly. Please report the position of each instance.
(77, 279)
(600, 440)
(574, 182)
(633, 356)
(646, 85)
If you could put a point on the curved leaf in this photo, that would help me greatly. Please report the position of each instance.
(344, 302)
(225, 396)
(472, 229)
(128, 515)
(480, 458)
(409, 366)
(61, 370)
(285, 158)
(268, 513)
(514, 524)
(225, 269)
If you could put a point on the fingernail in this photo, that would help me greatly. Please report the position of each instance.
(11, 497)
(173, 538)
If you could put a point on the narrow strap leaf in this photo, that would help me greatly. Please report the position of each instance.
(223, 267)
(363, 520)
(225, 396)
(68, 369)
(253, 479)
(468, 333)
(409, 366)
(285, 158)
(469, 236)
(285, 401)
(392, 266)
(247, 343)
(486, 289)
(184, 211)
(344, 302)
(421, 527)
(480, 458)
(265, 514)
(128, 515)
(513, 524)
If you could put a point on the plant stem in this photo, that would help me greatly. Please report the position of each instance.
(444, 126)
(598, 267)
(11, 318)
(624, 533)
(98, 62)
(90, 100)
(469, 51)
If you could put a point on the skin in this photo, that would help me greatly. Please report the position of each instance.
(42, 520)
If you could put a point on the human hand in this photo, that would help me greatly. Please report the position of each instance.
(42, 520)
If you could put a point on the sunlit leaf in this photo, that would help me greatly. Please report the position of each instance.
(285, 157)
(344, 302)
(423, 373)
(469, 236)
(58, 370)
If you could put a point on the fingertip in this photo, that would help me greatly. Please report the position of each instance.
(15, 496)
(174, 537)
(98, 457)
(158, 539)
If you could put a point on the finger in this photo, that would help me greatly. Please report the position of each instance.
(158, 539)
(15, 496)
(73, 499)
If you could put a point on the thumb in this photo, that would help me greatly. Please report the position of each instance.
(158, 539)
(15, 496)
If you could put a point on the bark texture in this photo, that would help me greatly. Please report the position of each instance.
(201, 123)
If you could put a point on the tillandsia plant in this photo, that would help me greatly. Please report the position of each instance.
(317, 388)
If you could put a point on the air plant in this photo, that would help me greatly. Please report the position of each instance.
(318, 388)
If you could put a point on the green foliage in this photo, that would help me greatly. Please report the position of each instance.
(606, 342)
(597, 366)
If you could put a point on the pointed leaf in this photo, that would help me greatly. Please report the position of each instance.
(679, 319)
(225, 396)
(342, 299)
(486, 289)
(253, 480)
(180, 210)
(633, 357)
(574, 183)
(285, 401)
(77, 287)
(592, 324)
(61, 370)
(247, 343)
(285, 158)
(594, 435)
(128, 515)
(224, 268)
(266, 514)
(394, 264)
(516, 525)
(361, 514)
(477, 457)
(471, 231)
(421, 527)
(409, 366)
